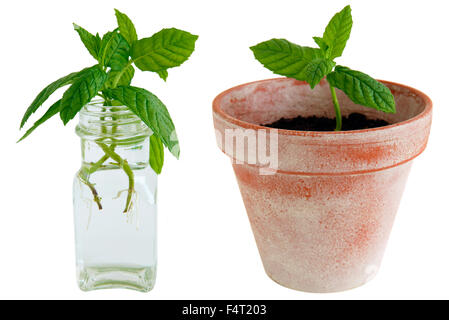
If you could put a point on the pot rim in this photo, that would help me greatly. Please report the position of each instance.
(217, 108)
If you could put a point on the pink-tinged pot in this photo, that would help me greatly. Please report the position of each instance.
(322, 215)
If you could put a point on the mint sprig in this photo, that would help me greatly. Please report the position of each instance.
(116, 53)
(313, 64)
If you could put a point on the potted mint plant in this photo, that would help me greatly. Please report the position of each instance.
(123, 131)
(322, 204)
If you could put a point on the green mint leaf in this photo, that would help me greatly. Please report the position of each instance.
(286, 58)
(91, 42)
(81, 92)
(114, 51)
(167, 48)
(48, 91)
(54, 109)
(120, 78)
(152, 111)
(338, 31)
(163, 74)
(126, 27)
(317, 69)
(362, 89)
(156, 154)
(321, 43)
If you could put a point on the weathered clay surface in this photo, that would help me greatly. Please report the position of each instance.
(322, 222)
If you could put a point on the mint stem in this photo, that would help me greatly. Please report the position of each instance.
(98, 164)
(83, 175)
(337, 108)
(125, 166)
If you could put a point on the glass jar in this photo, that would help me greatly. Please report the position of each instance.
(114, 196)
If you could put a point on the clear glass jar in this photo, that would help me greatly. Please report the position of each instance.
(114, 196)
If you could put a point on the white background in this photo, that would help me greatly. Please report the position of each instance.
(206, 248)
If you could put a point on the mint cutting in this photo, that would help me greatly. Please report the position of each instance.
(118, 53)
(313, 64)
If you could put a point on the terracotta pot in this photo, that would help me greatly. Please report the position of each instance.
(322, 217)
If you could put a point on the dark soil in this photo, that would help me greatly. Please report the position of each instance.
(355, 121)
